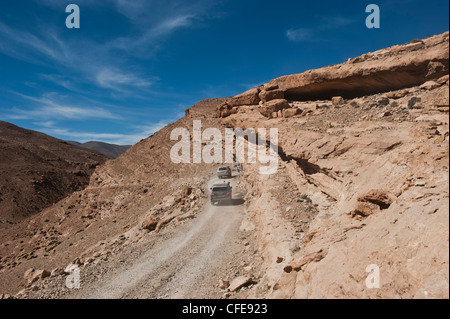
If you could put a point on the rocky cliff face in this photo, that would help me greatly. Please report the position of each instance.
(390, 69)
(367, 177)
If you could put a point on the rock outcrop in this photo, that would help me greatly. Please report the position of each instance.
(240, 282)
(250, 97)
(273, 106)
(394, 68)
(266, 96)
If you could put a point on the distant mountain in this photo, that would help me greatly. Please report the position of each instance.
(110, 150)
(37, 170)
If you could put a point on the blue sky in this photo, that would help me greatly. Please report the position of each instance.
(134, 66)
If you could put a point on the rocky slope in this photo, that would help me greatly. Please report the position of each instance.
(37, 170)
(142, 189)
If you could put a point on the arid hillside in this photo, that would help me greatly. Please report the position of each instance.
(142, 185)
(37, 170)
(362, 184)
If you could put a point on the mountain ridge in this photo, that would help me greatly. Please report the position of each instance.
(107, 149)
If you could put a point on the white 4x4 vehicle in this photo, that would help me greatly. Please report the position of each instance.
(224, 172)
(221, 193)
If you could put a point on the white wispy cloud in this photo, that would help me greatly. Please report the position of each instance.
(25, 46)
(115, 79)
(60, 80)
(51, 107)
(300, 35)
(96, 66)
(171, 24)
(336, 22)
(316, 34)
(83, 137)
(150, 128)
(90, 69)
(138, 133)
(106, 63)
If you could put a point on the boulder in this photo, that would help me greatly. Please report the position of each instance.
(365, 209)
(372, 202)
(414, 103)
(287, 269)
(78, 261)
(314, 257)
(248, 269)
(223, 110)
(273, 106)
(377, 197)
(436, 67)
(396, 94)
(37, 275)
(386, 114)
(57, 272)
(240, 282)
(43, 273)
(307, 112)
(292, 112)
(266, 96)
(250, 97)
(337, 100)
(443, 79)
(150, 224)
(271, 87)
(224, 284)
(430, 85)
(186, 191)
(27, 275)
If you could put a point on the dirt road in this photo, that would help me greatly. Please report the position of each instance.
(185, 262)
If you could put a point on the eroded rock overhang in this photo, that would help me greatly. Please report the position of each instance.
(395, 68)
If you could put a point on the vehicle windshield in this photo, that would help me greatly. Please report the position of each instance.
(220, 189)
(223, 168)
